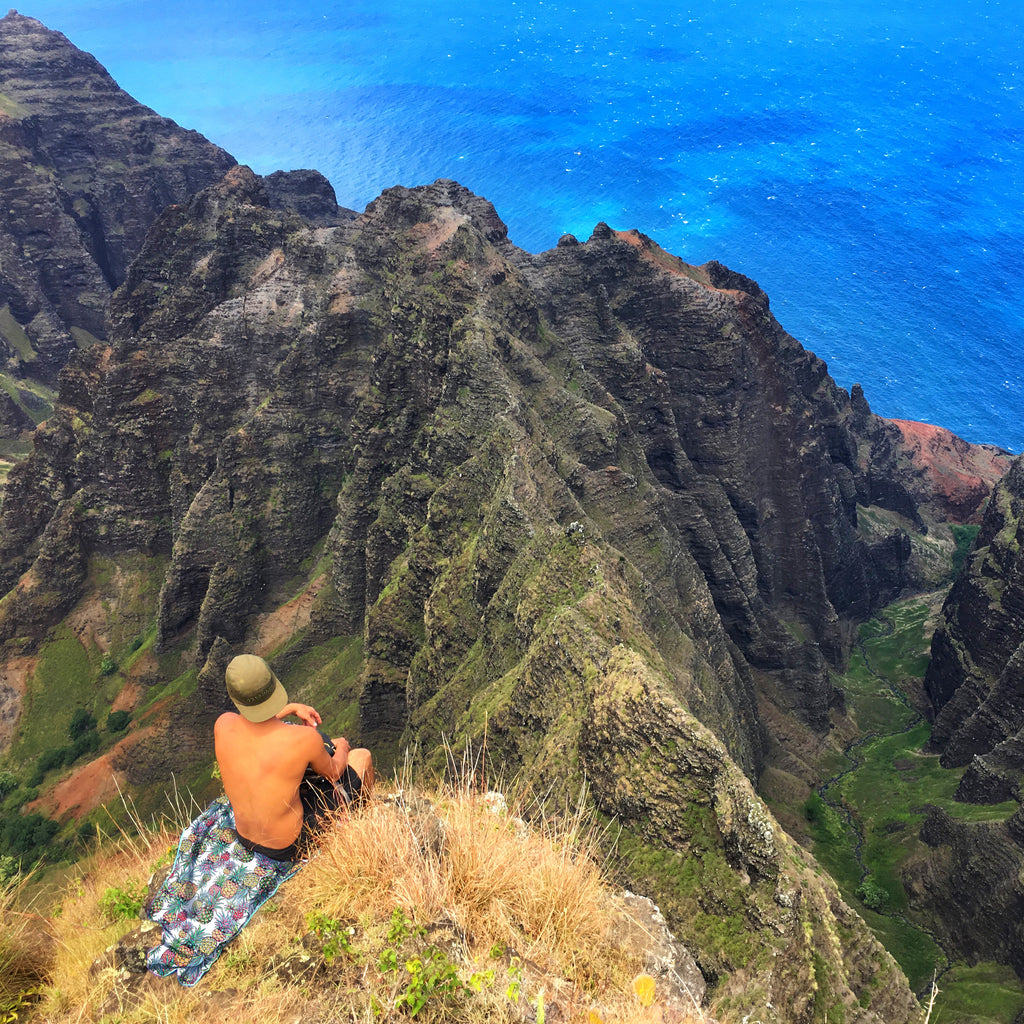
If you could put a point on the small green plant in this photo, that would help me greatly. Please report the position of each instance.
(539, 1007)
(431, 977)
(479, 979)
(117, 721)
(19, 1006)
(872, 895)
(165, 859)
(108, 666)
(122, 904)
(82, 721)
(336, 938)
(9, 871)
(238, 961)
(515, 983)
(401, 927)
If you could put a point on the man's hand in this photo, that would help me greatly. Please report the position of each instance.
(308, 715)
(340, 759)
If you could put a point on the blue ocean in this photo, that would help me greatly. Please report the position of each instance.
(861, 161)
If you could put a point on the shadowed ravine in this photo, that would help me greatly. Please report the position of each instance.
(869, 829)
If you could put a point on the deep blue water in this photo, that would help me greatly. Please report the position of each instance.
(861, 161)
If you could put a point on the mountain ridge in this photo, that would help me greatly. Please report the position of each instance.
(534, 488)
(593, 505)
(86, 170)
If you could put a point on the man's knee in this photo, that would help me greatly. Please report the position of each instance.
(361, 762)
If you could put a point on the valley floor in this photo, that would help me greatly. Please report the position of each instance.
(863, 821)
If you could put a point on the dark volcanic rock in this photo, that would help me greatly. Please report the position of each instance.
(976, 677)
(976, 685)
(272, 382)
(13, 418)
(594, 504)
(85, 170)
(970, 888)
(758, 456)
(307, 193)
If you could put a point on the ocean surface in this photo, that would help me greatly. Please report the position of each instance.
(864, 162)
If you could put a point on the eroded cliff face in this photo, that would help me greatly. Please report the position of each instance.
(593, 504)
(969, 884)
(976, 677)
(85, 171)
(970, 888)
(270, 383)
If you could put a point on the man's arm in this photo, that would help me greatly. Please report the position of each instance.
(306, 714)
(326, 765)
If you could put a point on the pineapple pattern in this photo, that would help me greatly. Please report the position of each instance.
(212, 890)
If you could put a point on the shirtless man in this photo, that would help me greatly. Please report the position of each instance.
(262, 762)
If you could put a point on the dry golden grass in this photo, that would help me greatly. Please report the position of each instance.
(535, 888)
(23, 954)
(499, 917)
(81, 930)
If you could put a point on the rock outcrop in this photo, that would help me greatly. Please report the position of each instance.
(969, 888)
(976, 677)
(950, 473)
(270, 383)
(85, 171)
(975, 682)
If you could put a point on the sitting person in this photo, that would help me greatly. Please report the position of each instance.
(282, 780)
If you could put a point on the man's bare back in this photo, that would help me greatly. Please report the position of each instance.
(262, 762)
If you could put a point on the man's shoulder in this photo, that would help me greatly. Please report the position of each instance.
(228, 720)
(305, 735)
(300, 737)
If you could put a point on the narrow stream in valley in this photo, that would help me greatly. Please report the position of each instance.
(854, 753)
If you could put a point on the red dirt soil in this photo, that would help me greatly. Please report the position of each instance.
(90, 786)
(963, 473)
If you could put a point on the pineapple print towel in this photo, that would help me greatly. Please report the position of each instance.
(212, 890)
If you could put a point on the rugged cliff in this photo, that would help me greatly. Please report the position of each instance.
(592, 510)
(270, 384)
(976, 677)
(595, 505)
(84, 170)
(969, 885)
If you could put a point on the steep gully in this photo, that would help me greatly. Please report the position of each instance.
(846, 814)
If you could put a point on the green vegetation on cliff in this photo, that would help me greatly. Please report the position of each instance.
(865, 822)
(591, 507)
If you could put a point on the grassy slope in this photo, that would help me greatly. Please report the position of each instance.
(383, 914)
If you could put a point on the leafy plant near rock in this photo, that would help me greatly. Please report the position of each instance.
(117, 721)
(122, 903)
